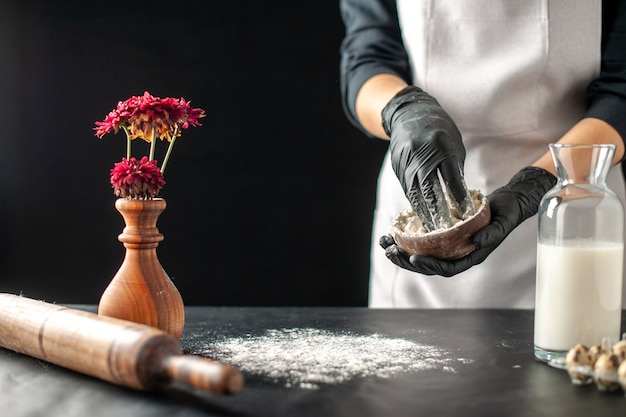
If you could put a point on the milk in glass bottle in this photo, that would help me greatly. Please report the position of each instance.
(580, 253)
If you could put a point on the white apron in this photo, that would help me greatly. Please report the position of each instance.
(512, 75)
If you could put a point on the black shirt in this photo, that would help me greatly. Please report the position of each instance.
(373, 45)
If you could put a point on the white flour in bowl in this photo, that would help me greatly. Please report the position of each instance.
(307, 357)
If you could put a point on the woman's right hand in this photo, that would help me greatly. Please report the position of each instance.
(425, 143)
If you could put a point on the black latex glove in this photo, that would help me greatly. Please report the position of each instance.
(423, 140)
(510, 206)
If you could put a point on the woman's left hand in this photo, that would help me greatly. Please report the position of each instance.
(510, 206)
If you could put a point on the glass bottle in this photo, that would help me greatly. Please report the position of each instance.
(580, 254)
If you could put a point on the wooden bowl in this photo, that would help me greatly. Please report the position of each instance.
(451, 243)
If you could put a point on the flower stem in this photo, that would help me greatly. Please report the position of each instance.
(169, 150)
(152, 144)
(127, 142)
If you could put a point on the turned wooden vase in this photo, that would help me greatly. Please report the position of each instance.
(141, 291)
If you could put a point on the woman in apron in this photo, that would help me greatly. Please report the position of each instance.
(473, 91)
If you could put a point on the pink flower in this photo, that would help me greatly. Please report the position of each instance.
(146, 117)
(137, 179)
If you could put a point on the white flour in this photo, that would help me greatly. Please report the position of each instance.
(306, 358)
(407, 220)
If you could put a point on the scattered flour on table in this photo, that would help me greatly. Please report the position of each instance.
(306, 357)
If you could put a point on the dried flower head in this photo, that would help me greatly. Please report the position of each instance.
(146, 117)
(136, 179)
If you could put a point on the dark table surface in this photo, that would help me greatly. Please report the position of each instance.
(483, 366)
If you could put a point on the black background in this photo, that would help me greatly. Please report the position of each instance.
(269, 202)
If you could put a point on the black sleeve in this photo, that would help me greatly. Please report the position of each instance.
(606, 95)
(372, 45)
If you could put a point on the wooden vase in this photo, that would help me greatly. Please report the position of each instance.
(141, 291)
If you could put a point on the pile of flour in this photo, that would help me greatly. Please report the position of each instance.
(308, 358)
(407, 220)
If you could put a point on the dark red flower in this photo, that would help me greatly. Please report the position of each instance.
(147, 115)
(137, 179)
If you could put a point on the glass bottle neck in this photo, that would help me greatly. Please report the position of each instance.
(582, 164)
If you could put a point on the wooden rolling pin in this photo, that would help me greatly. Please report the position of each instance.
(118, 351)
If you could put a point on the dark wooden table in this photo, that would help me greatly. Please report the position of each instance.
(494, 372)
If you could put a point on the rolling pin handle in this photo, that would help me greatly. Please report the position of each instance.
(204, 374)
